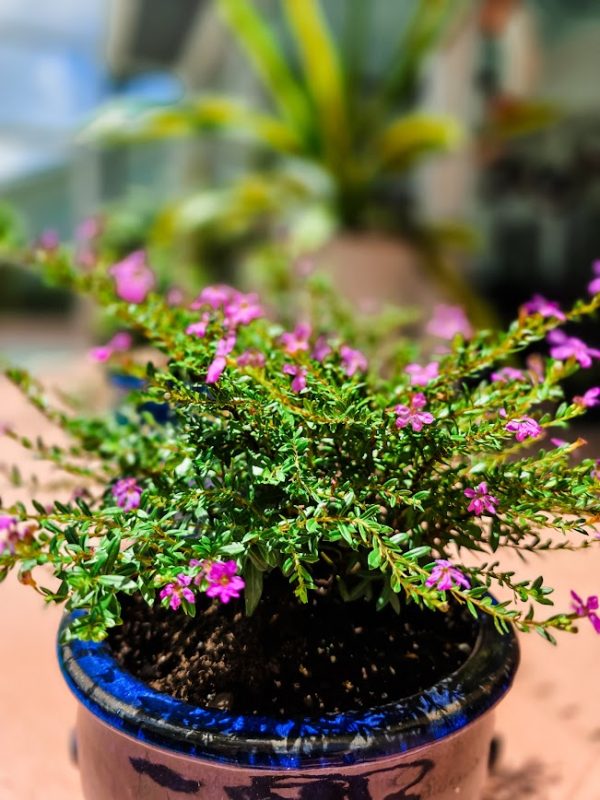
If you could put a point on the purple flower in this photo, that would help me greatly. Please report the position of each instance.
(89, 229)
(214, 296)
(524, 428)
(101, 354)
(174, 592)
(570, 347)
(223, 581)
(242, 309)
(587, 609)
(121, 341)
(481, 500)
(299, 376)
(594, 286)
(174, 296)
(48, 241)
(198, 328)
(133, 277)
(445, 576)
(297, 340)
(413, 415)
(352, 360)
(7, 523)
(127, 493)
(448, 321)
(421, 376)
(545, 308)
(218, 364)
(215, 369)
(321, 349)
(251, 358)
(589, 399)
(11, 533)
(507, 374)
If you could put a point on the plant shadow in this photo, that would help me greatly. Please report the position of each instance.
(527, 782)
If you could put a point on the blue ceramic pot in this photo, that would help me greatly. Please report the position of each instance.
(125, 383)
(134, 742)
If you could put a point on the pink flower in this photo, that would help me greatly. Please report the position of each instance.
(242, 309)
(174, 296)
(215, 369)
(100, 354)
(127, 493)
(214, 296)
(133, 277)
(412, 415)
(299, 376)
(7, 523)
(507, 374)
(594, 286)
(89, 229)
(352, 360)
(587, 609)
(481, 500)
(559, 442)
(48, 241)
(570, 347)
(176, 591)
(223, 581)
(421, 376)
(589, 399)
(321, 349)
(297, 340)
(121, 341)
(11, 533)
(448, 321)
(524, 428)
(218, 364)
(198, 328)
(226, 345)
(545, 308)
(251, 358)
(446, 576)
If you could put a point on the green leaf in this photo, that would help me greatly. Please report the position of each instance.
(413, 136)
(324, 75)
(254, 586)
(268, 59)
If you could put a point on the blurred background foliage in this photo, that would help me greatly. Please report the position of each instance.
(238, 126)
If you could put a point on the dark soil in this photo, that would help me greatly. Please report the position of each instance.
(289, 659)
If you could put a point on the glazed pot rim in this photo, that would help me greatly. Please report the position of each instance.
(130, 705)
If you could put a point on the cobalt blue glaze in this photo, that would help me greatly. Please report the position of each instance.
(128, 704)
(126, 383)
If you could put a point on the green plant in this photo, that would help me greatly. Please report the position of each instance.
(298, 452)
(323, 110)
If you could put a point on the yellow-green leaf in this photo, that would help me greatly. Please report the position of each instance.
(412, 136)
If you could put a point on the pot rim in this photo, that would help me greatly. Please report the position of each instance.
(128, 704)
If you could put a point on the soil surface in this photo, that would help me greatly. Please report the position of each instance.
(290, 659)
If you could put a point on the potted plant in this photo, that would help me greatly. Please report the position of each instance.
(338, 139)
(291, 588)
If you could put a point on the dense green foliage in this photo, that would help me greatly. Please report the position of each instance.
(321, 482)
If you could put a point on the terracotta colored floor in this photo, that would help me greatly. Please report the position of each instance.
(549, 724)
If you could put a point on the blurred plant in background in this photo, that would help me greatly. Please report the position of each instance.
(336, 146)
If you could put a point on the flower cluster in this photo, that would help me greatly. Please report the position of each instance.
(217, 578)
(127, 493)
(337, 456)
